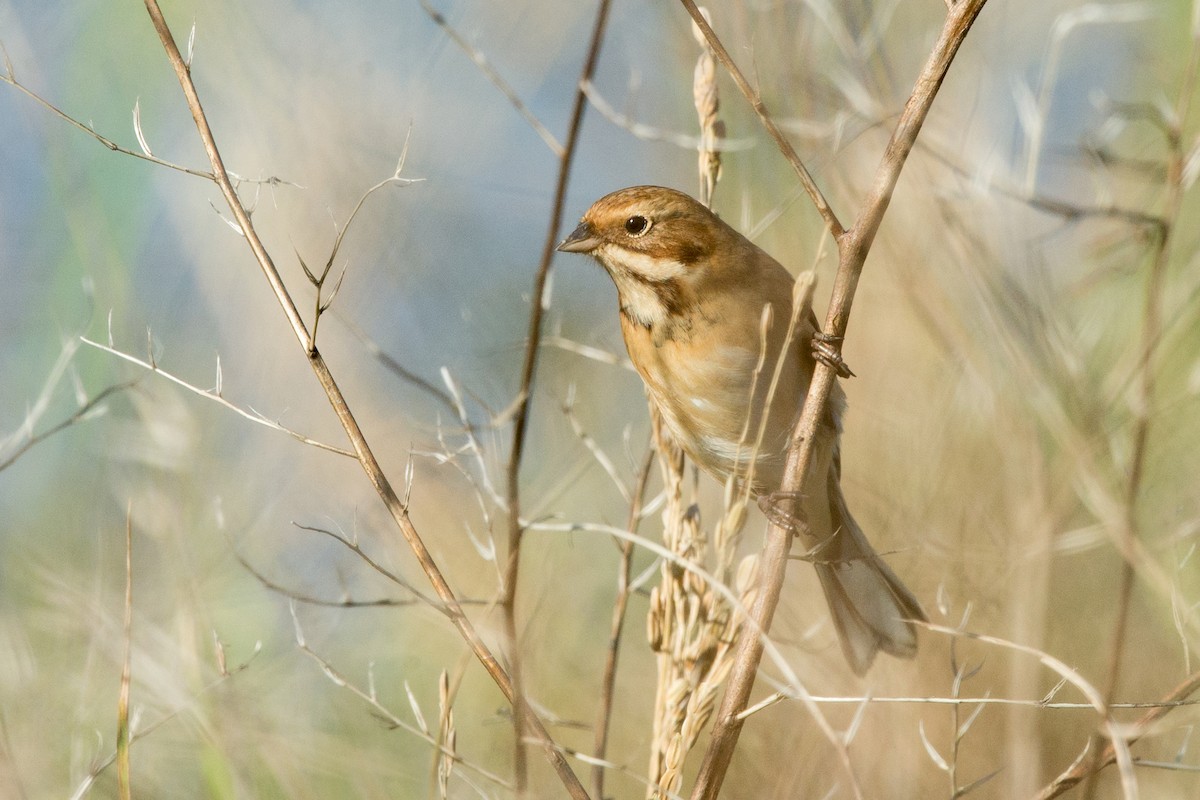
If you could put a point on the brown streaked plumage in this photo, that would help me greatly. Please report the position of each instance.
(692, 291)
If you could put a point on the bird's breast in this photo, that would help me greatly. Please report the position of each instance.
(709, 393)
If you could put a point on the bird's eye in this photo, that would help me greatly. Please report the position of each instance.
(637, 225)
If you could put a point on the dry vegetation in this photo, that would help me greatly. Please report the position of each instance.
(201, 596)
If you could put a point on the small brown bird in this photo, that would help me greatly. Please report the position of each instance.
(692, 291)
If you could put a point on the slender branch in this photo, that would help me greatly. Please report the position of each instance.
(538, 300)
(10, 78)
(395, 367)
(80, 414)
(933, 700)
(608, 681)
(124, 789)
(760, 108)
(489, 72)
(649, 133)
(216, 397)
(366, 457)
(853, 247)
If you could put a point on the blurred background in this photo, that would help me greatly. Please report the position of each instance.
(999, 442)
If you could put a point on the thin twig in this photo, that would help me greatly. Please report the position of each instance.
(80, 414)
(779, 697)
(366, 458)
(124, 790)
(395, 367)
(853, 246)
(216, 397)
(9, 78)
(760, 108)
(588, 441)
(608, 681)
(489, 72)
(322, 304)
(346, 602)
(538, 302)
(588, 351)
(649, 133)
(1118, 737)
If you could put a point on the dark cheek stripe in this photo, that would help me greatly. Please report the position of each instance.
(669, 292)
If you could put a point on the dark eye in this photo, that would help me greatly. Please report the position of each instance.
(637, 225)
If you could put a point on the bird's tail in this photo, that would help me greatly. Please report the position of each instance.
(872, 609)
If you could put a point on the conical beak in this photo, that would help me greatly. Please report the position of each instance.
(582, 240)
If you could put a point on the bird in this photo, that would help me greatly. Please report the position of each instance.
(697, 302)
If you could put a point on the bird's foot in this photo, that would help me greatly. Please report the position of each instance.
(827, 349)
(783, 509)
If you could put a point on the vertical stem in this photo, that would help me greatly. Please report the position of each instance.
(521, 415)
(608, 682)
(853, 247)
(124, 787)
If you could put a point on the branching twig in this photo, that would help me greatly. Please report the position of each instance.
(366, 457)
(1118, 738)
(853, 246)
(124, 790)
(353, 546)
(23, 439)
(323, 304)
(144, 154)
(396, 368)
(649, 133)
(588, 441)
(346, 602)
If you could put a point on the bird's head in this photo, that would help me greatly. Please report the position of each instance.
(656, 243)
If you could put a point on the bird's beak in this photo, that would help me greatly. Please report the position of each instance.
(582, 240)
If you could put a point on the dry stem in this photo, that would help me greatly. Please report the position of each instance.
(608, 682)
(853, 246)
(521, 413)
(124, 790)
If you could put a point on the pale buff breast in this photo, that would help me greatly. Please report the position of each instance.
(704, 397)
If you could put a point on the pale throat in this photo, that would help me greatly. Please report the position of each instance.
(635, 274)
